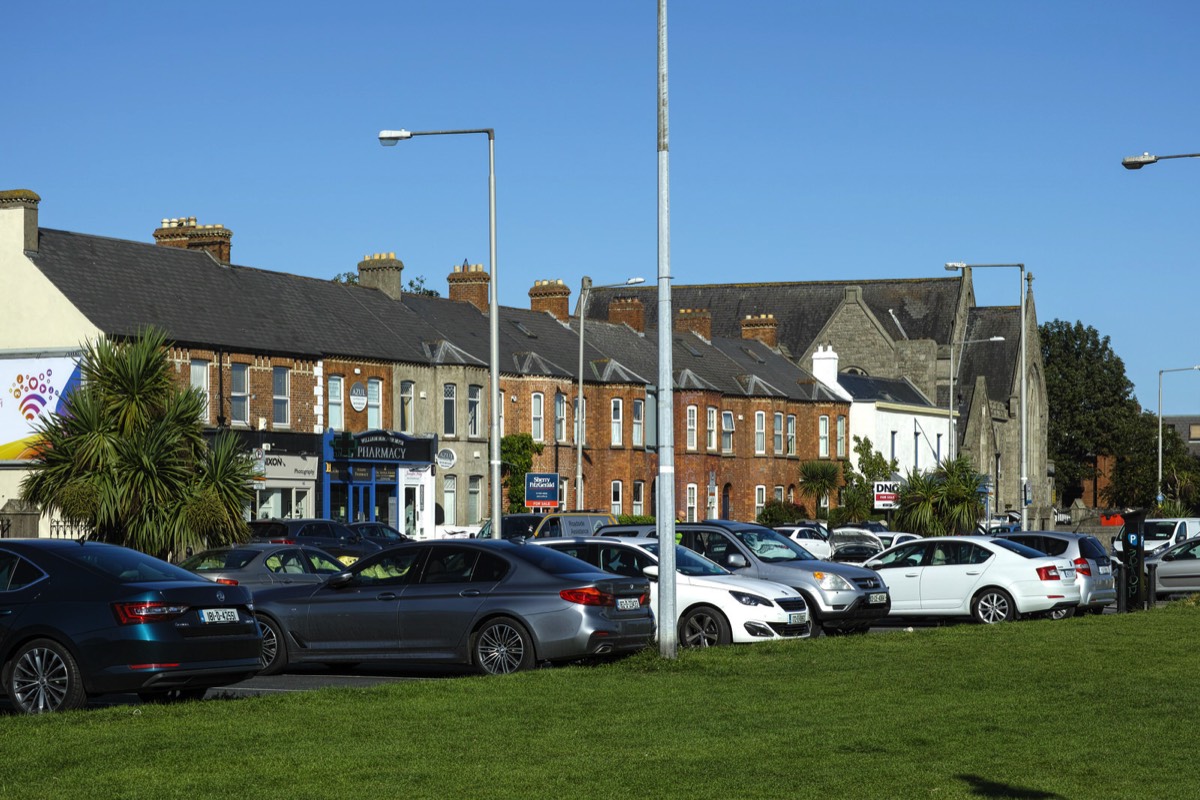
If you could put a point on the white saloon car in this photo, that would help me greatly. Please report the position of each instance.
(715, 606)
(989, 579)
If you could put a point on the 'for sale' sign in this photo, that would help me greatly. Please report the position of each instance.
(887, 495)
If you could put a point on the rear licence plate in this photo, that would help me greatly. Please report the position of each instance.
(218, 615)
(1105, 570)
(797, 617)
(878, 598)
(628, 604)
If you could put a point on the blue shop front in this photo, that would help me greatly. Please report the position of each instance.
(380, 476)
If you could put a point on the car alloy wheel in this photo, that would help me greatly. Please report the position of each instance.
(502, 646)
(44, 677)
(1061, 613)
(704, 627)
(274, 650)
(992, 606)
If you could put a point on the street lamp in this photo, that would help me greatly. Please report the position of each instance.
(1158, 495)
(958, 265)
(389, 139)
(950, 404)
(1137, 162)
(585, 291)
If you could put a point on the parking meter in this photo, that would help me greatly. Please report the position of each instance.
(1133, 556)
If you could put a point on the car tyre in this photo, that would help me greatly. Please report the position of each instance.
(274, 658)
(43, 676)
(993, 605)
(704, 626)
(1061, 613)
(502, 646)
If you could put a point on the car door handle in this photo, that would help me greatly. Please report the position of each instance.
(911, 574)
(470, 593)
(386, 596)
(974, 572)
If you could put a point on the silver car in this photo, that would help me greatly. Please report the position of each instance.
(1178, 569)
(497, 605)
(1093, 567)
(259, 565)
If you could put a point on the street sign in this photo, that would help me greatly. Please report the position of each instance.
(541, 490)
(887, 495)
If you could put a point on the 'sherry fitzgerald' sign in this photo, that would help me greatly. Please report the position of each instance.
(887, 494)
(541, 490)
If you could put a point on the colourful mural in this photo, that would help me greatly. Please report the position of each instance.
(37, 387)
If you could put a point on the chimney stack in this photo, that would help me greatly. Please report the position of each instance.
(762, 327)
(382, 271)
(470, 283)
(552, 296)
(19, 215)
(628, 311)
(184, 233)
(696, 320)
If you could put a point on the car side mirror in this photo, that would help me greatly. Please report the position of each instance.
(736, 561)
(875, 565)
(1168, 557)
(651, 571)
(341, 580)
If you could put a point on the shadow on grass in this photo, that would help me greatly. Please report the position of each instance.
(982, 787)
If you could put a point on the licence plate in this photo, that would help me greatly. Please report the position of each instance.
(628, 604)
(218, 615)
(797, 617)
(878, 598)
(1105, 570)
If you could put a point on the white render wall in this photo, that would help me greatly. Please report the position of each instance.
(916, 434)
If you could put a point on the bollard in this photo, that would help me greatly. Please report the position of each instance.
(1119, 577)
(1152, 584)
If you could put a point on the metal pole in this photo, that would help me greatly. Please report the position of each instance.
(1158, 495)
(1024, 411)
(950, 408)
(494, 334)
(668, 639)
(585, 289)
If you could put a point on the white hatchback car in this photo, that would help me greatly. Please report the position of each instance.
(989, 579)
(810, 537)
(715, 606)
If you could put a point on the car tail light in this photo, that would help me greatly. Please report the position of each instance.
(644, 599)
(1048, 574)
(138, 613)
(588, 596)
(227, 581)
(283, 541)
(1082, 567)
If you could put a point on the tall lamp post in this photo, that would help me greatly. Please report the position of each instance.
(950, 404)
(1137, 162)
(390, 138)
(1158, 493)
(585, 291)
(956, 266)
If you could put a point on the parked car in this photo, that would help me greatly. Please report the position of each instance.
(840, 597)
(1160, 534)
(853, 545)
(1178, 569)
(497, 605)
(715, 607)
(984, 577)
(326, 534)
(890, 539)
(547, 526)
(260, 564)
(84, 618)
(810, 537)
(1093, 567)
(379, 533)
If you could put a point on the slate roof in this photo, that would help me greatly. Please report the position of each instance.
(995, 361)
(921, 308)
(888, 390)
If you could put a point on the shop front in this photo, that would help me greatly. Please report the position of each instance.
(287, 486)
(381, 476)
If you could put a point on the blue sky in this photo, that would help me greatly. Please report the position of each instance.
(808, 141)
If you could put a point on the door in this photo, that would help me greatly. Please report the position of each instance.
(901, 570)
(1181, 573)
(410, 512)
(955, 570)
(437, 612)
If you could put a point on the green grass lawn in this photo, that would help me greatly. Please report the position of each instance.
(1096, 707)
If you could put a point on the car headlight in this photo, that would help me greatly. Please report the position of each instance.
(832, 583)
(750, 599)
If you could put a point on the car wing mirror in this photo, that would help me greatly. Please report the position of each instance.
(340, 580)
(875, 565)
(736, 561)
(1168, 557)
(651, 571)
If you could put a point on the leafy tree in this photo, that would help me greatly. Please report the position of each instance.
(858, 490)
(943, 502)
(1091, 403)
(781, 512)
(127, 459)
(516, 459)
(818, 480)
(1135, 472)
(416, 285)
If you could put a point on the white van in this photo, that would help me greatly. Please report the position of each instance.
(1159, 534)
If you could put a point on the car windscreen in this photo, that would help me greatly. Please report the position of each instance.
(1157, 530)
(690, 563)
(551, 561)
(219, 560)
(772, 547)
(1019, 549)
(519, 526)
(268, 530)
(1091, 548)
(125, 565)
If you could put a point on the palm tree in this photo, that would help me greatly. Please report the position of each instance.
(127, 459)
(945, 501)
(818, 479)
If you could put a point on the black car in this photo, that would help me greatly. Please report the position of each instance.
(325, 534)
(79, 619)
(379, 533)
